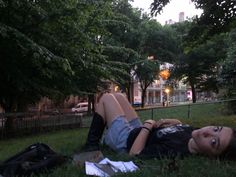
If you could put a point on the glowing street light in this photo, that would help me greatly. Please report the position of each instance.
(165, 74)
(167, 90)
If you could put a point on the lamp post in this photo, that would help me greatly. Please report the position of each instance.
(167, 90)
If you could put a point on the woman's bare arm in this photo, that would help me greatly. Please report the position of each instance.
(142, 137)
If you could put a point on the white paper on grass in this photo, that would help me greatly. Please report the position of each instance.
(117, 166)
(91, 169)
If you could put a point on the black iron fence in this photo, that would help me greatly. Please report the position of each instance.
(30, 123)
(20, 124)
(190, 111)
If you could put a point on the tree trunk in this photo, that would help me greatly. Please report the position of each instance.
(91, 102)
(131, 100)
(9, 124)
(143, 97)
(193, 93)
(129, 92)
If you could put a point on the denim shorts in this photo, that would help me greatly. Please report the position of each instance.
(117, 134)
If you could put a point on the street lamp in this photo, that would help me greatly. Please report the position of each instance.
(167, 90)
(165, 74)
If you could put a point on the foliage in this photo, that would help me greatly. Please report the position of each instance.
(227, 77)
(146, 72)
(157, 41)
(199, 66)
(78, 29)
(52, 49)
(122, 42)
(218, 16)
(56, 43)
(28, 70)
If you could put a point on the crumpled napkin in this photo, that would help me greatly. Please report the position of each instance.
(107, 168)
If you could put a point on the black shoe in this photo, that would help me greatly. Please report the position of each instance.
(95, 133)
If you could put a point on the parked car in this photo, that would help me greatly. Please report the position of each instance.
(80, 107)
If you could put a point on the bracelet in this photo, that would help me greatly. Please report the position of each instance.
(146, 129)
(148, 122)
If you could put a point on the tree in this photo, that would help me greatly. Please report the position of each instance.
(58, 41)
(29, 70)
(122, 42)
(75, 30)
(227, 77)
(146, 72)
(46, 49)
(199, 66)
(157, 41)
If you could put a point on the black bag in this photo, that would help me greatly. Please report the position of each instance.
(36, 158)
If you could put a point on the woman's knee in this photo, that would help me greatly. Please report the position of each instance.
(106, 97)
(120, 96)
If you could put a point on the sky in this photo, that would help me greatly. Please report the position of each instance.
(170, 11)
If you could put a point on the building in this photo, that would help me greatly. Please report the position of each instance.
(181, 16)
(158, 92)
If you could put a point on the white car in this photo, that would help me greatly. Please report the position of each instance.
(80, 107)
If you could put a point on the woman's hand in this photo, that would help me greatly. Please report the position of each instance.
(150, 124)
(167, 122)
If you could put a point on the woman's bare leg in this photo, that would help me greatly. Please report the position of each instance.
(129, 111)
(109, 108)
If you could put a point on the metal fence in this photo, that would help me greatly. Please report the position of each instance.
(40, 122)
(190, 110)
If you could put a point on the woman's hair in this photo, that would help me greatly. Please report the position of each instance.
(230, 152)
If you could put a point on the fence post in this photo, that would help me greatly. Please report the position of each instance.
(152, 113)
(188, 110)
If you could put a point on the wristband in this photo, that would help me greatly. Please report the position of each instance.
(146, 129)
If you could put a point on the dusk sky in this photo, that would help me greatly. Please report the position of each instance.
(171, 11)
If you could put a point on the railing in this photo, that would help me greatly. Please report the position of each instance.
(190, 110)
(38, 122)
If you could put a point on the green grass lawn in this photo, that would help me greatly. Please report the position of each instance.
(68, 142)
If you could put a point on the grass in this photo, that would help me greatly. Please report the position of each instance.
(68, 142)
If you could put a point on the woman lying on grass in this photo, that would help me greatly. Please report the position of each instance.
(163, 138)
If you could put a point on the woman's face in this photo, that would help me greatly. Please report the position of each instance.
(210, 140)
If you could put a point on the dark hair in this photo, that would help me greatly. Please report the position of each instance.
(230, 152)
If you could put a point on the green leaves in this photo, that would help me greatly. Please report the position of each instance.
(158, 5)
(227, 78)
(28, 69)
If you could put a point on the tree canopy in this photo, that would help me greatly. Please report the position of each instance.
(57, 48)
(48, 46)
